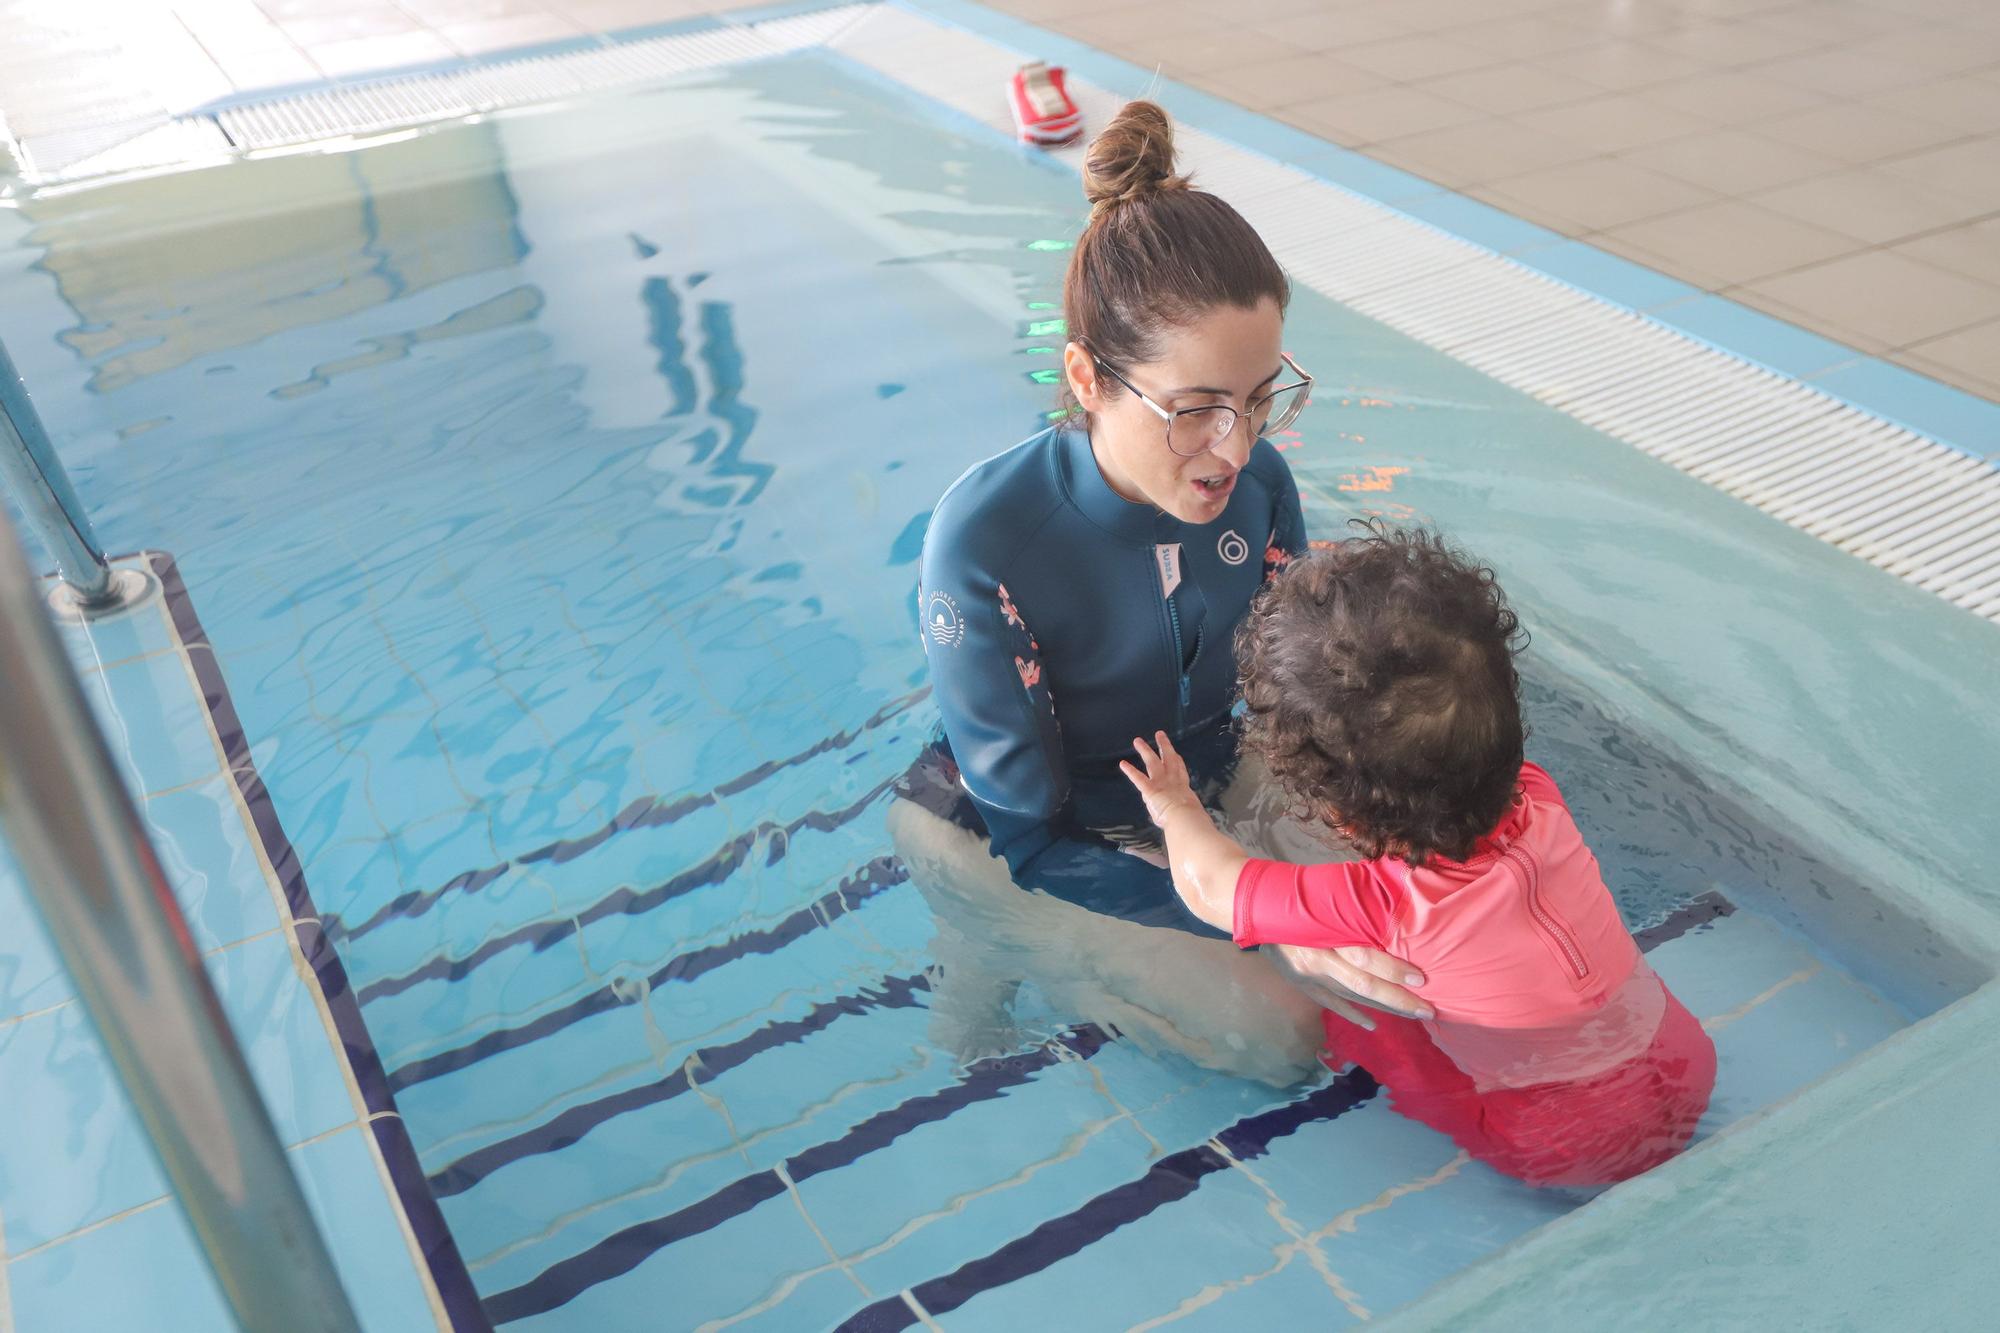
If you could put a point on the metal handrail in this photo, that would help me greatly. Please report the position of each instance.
(93, 875)
(29, 467)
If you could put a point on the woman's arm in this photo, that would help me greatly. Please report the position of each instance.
(1205, 861)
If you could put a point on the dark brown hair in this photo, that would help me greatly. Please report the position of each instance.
(1379, 684)
(1156, 252)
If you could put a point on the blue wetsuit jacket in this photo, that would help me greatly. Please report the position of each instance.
(1060, 621)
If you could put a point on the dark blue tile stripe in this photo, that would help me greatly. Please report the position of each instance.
(573, 1124)
(625, 901)
(881, 873)
(434, 1239)
(625, 1250)
(646, 812)
(1175, 1177)
(1166, 1181)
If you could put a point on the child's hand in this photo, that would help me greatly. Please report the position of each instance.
(1164, 784)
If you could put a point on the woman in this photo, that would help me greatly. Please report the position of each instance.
(1084, 587)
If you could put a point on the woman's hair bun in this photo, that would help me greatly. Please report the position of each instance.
(1131, 157)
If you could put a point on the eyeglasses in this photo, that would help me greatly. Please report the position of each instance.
(1193, 431)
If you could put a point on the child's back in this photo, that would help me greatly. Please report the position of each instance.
(1380, 691)
(1556, 1054)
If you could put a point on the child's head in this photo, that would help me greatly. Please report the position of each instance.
(1378, 676)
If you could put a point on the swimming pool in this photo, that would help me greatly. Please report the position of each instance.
(550, 488)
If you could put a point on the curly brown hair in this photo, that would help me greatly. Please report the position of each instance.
(1379, 684)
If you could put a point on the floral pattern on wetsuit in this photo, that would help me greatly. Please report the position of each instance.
(1276, 558)
(1029, 668)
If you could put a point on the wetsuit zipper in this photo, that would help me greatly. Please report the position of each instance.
(1186, 689)
(1543, 918)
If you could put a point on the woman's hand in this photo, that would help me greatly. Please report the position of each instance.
(1164, 784)
(1335, 978)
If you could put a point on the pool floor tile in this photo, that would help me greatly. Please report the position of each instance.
(278, 1025)
(74, 1151)
(154, 722)
(205, 848)
(144, 1271)
(349, 1197)
(31, 975)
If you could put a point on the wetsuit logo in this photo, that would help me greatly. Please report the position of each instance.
(943, 622)
(1232, 548)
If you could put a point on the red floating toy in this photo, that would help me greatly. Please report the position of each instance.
(1043, 111)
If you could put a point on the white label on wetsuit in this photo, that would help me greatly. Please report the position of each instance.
(1169, 558)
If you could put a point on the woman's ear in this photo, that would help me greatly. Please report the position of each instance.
(1081, 372)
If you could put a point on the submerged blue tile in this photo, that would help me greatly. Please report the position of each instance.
(350, 1199)
(155, 723)
(143, 1271)
(31, 975)
(107, 639)
(71, 1150)
(205, 847)
(277, 1022)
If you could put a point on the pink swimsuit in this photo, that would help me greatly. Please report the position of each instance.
(1556, 1054)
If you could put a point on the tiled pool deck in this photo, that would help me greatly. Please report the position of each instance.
(1829, 162)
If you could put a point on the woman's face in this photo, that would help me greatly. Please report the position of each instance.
(1228, 356)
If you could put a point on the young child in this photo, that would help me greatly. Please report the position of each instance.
(1379, 685)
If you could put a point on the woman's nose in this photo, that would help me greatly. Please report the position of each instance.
(1235, 447)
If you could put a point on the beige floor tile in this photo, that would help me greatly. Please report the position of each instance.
(1939, 50)
(1859, 339)
(1727, 43)
(1266, 87)
(1734, 241)
(1421, 56)
(1614, 123)
(1526, 209)
(1733, 162)
(1965, 104)
(1848, 71)
(1332, 29)
(1735, 96)
(1853, 132)
(612, 15)
(504, 34)
(1507, 89)
(1893, 297)
(1972, 384)
(1621, 66)
(1974, 351)
(1619, 20)
(355, 21)
(1378, 114)
(1479, 151)
(440, 12)
(389, 51)
(1870, 205)
(1603, 192)
(1618, 245)
(1525, 36)
(1833, 20)
(1972, 249)
(276, 67)
(1970, 168)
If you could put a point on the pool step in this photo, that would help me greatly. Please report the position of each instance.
(1352, 1211)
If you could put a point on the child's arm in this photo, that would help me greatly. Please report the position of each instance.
(1204, 860)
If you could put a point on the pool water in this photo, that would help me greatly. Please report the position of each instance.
(551, 489)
